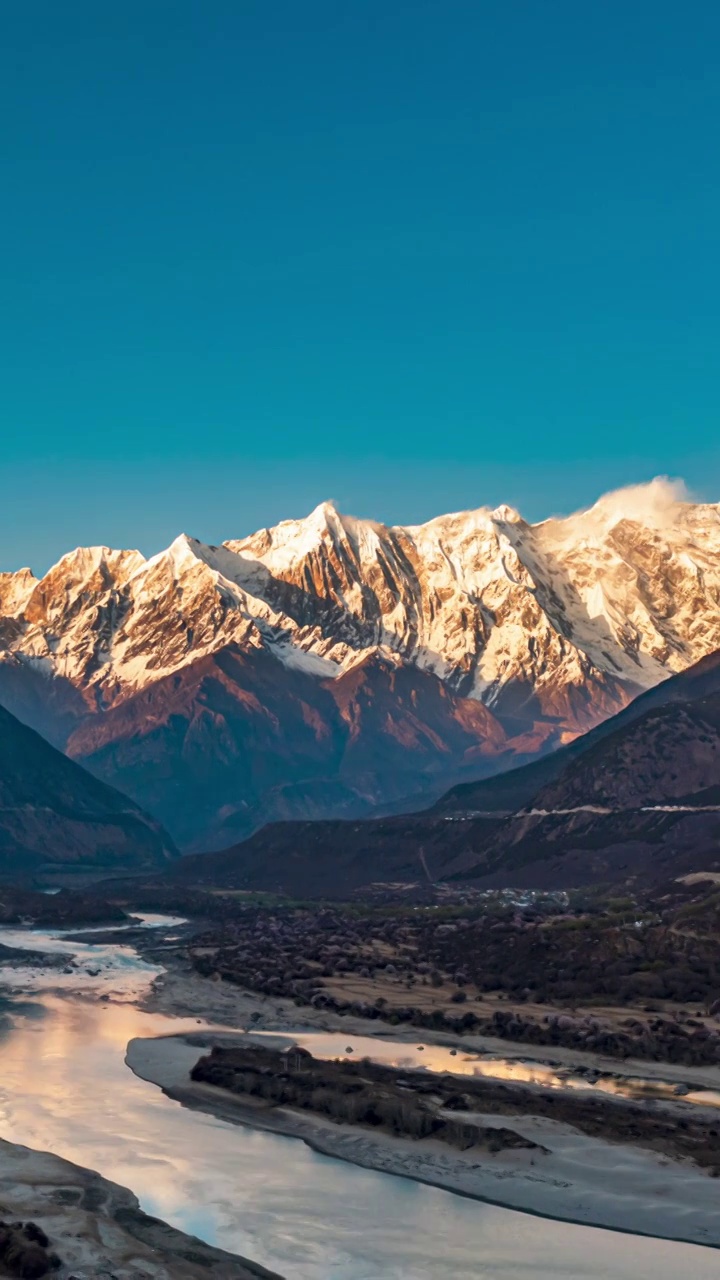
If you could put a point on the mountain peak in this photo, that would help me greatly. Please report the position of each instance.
(480, 597)
(183, 545)
(324, 511)
(82, 564)
(507, 515)
(183, 553)
(15, 590)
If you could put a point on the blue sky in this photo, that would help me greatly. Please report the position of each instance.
(410, 256)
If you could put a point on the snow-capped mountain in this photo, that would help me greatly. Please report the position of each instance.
(629, 590)
(331, 663)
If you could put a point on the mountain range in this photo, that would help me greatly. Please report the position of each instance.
(333, 666)
(637, 798)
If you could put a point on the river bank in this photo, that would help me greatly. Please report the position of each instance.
(97, 1228)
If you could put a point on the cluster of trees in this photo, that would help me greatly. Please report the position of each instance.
(344, 1093)
(613, 1118)
(64, 910)
(566, 961)
(658, 1040)
(592, 958)
(290, 952)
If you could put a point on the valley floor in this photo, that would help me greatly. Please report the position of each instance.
(620, 1185)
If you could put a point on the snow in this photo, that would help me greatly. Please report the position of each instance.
(15, 591)
(628, 589)
(300, 660)
(79, 565)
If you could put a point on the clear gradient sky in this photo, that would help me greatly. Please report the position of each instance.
(412, 255)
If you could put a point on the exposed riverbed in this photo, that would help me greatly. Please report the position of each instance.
(65, 1088)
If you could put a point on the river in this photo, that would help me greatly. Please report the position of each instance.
(64, 1087)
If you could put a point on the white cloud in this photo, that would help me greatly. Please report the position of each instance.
(654, 504)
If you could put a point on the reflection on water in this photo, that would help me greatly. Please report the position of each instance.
(64, 1087)
(439, 1058)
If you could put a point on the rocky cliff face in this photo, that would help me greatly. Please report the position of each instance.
(330, 664)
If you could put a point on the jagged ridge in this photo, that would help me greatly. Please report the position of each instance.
(545, 629)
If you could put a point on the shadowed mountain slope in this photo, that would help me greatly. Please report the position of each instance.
(54, 812)
(638, 797)
(516, 788)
